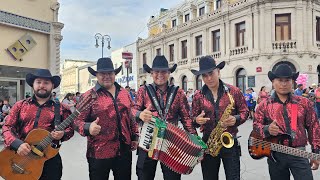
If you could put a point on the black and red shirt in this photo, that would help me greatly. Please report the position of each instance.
(118, 126)
(27, 115)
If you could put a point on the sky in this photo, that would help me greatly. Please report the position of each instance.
(123, 20)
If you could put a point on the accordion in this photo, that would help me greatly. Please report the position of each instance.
(177, 149)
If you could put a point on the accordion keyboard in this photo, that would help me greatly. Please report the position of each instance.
(146, 135)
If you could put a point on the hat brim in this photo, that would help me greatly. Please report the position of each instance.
(56, 80)
(94, 73)
(149, 69)
(219, 66)
(272, 76)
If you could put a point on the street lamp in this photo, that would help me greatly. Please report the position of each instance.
(103, 38)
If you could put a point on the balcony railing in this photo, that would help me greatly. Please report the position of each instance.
(195, 60)
(142, 71)
(238, 3)
(318, 44)
(183, 62)
(216, 55)
(284, 45)
(238, 50)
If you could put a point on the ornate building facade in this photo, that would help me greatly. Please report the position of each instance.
(252, 36)
(30, 39)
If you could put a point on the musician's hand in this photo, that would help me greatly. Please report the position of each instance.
(230, 121)
(57, 135)
(134, 145)
(314, 164)
(94, 128)
(146, 114)
(274, 129)
(200, 119)
(24, 149)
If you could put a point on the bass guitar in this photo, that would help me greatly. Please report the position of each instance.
(16, 167)
(259, 147)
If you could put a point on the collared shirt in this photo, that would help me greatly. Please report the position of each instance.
(116, 121)
(202, 101)
(298, 92)
(179, 109)
(273, 110)
(21, 120)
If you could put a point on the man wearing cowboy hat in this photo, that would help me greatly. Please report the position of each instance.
(144, 109)
(38, 111)
(285, 113)
(208, 106)
(111, 131)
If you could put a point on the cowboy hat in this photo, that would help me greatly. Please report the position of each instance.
(207, 64)
(283, 71)
(160, 63)
(104, 65)
(42, 73)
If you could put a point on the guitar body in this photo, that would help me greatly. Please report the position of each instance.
(261, 150)
(33, 164)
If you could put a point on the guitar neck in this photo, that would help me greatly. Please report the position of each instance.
(294, 151)
(62, 126)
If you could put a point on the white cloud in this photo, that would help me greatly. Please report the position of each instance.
(123, 20)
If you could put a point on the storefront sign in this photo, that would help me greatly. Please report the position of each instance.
(123, 79)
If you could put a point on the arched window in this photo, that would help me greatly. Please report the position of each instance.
(185, 83)
(241, 79)
(293, 68)
(171, 82)
(198, 82)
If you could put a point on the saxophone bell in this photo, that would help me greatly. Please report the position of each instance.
(227, 139)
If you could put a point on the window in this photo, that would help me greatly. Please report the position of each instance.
(158, 52)
(186, 17)
(241, 79)
(240, 33)
(198, 45)
(218, 4)
(184, 49)
(144, 58)
(318, 29)
(199, 82)
(174, 23)
(216, 41)
(201, 11)
(283, 27)
(185, 83)
(171, 51)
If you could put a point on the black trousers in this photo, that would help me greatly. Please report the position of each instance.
(280, 170)
(231, 162)
(146, 168)
(52, 169)
(99, 169)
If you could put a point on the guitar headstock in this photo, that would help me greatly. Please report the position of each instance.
(86, 101)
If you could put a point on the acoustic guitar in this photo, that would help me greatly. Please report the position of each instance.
(29, 167)
(259, 147)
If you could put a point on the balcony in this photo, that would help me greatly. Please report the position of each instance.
(284, 45)
(183, 62)
(236, 4)
(195, 60)
(318, 44)
(216, 55)
(239, 50)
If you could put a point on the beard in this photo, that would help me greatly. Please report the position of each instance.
(42, 95)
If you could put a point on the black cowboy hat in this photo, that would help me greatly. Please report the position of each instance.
(42, 73)
(207, 64)
(104, 65)
(160, 63)
(283, 71)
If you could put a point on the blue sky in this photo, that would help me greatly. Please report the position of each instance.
(123, 20)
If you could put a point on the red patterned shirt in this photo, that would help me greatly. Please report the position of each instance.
(179, 108)
(272, 109)
(22, 118)
(201, 102)
(116, 121)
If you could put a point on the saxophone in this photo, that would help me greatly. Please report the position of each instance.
(218, 136)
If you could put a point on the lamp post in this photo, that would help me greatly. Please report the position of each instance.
(103, 38)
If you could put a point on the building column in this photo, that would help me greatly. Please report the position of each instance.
(249, 26)
(299, 24)
(268, 29)
(256, 30)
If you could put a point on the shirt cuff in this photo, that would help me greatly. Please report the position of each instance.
(138, 115)
(266, 131)
(86, 129)
(238, 120)
(16, 144)
(317, 151)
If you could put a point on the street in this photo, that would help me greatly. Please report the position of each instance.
(75, 164)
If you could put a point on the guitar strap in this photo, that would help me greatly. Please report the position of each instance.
(152, 95)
